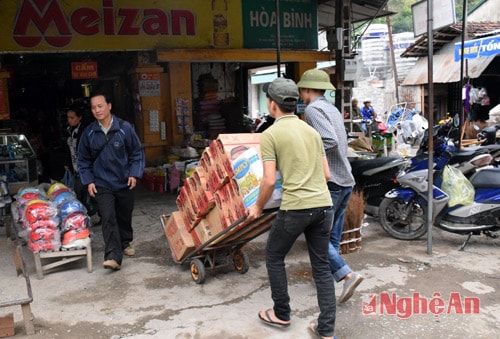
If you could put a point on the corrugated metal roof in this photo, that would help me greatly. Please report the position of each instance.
(445, 68)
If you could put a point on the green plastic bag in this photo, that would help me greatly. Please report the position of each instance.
(457, 186)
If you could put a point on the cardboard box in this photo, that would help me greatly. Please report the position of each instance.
(248, 172)
(7, 325)
(185, 203)
(203, 232)
(179, 239)
(216, 173)
(201, 192)
(217, 220)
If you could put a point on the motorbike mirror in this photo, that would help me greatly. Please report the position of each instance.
(456, 120)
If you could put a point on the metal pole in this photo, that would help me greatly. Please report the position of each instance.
(461, 125)
(393, 58)
(278, 38)
(430, 130)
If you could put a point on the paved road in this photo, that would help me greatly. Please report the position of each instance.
(153, 297)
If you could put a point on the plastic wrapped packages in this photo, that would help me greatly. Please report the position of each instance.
(75, 221)
(45, 240)
(55, 187)
(42, 220)
(62, 197)
(24, 196)
(74, 225)
(75, 238)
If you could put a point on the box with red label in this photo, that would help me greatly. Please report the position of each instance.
(185, 203)
(216, 174)
(201, 192)
(179, 239)
(227, 199)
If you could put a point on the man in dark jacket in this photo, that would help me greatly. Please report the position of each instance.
(110, 160)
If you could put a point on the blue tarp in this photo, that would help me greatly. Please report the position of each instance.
(484, 47)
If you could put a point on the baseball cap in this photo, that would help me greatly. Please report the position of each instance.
(283, 91)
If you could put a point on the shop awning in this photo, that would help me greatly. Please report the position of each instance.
(445, 69)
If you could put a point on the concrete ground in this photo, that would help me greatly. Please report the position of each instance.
(406, 293)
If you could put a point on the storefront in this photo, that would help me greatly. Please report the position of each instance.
(166, 65)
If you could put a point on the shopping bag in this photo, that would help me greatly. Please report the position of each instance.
(68, 179)
(457, 186)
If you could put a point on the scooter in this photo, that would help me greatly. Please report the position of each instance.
(403, 211)
(377, 176)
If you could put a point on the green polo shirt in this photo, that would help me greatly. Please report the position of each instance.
(298, 151)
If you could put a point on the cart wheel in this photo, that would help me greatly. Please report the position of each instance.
(197, 271)
(241, 262)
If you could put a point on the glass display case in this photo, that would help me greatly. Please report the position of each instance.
(17, 161)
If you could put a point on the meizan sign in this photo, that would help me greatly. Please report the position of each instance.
(45, 16)
(73, 25)
(106, 25)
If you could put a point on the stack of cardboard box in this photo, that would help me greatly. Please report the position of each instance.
(217, 194)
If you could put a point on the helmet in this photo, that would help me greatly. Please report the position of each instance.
(62, 197)
(315, 79)
(55, 186)
(55, 192)
(71, 206)
(38, 209)
(77, 220)
(367, 100)
(29, 193)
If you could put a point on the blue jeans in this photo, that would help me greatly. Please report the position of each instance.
(340, 197)
(316, 225)
(116, 217)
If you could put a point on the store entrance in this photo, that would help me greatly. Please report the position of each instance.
(41, 90)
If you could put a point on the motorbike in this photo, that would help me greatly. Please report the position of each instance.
(403, 211)
(375, 177)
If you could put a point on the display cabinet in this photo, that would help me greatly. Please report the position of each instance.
(17, 161)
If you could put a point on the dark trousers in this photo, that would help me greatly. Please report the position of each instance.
(316, 224)
(115, 209)
(82, 194)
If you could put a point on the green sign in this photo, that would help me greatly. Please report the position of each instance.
(298, 24)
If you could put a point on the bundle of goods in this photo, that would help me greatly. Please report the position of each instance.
(52, 220)
(39, 219)
(74, 226)
(351, 235)
(217, 193)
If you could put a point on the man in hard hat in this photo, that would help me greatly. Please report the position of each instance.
(306, 206)
(323, 116)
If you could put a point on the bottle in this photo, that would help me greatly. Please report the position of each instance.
(220, 31)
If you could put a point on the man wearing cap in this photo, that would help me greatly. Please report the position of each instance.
(296, 150)
(324, 117)
(368, 114)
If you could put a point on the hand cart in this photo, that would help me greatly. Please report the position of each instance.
(226, 245)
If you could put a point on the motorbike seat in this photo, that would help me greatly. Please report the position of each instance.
(360, 166)
(462, 156)
(487, 178)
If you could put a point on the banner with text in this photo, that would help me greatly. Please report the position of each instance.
(484, 47)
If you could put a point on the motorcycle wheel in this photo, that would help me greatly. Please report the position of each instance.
(413, 227)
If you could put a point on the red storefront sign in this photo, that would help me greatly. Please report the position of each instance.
(84, 70)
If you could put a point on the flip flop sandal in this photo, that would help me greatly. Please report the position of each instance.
(313, 327)
(268, 320)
